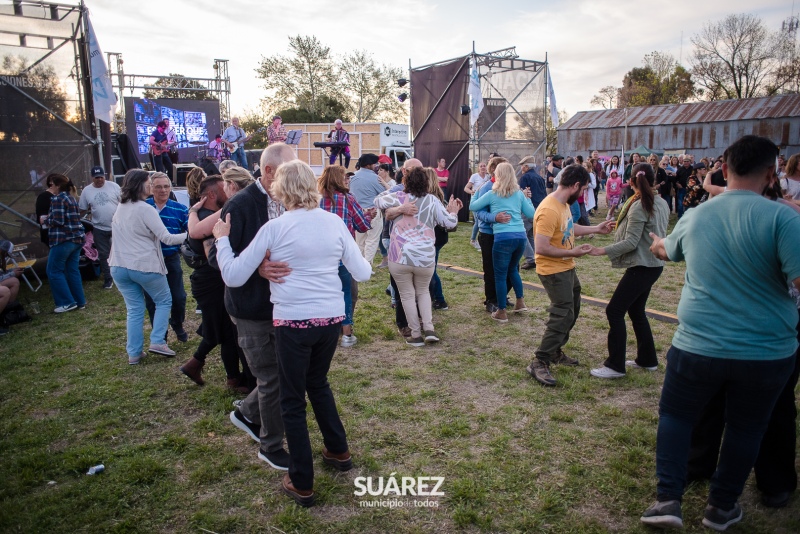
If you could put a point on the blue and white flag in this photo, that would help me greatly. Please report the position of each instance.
(551, 94)
(105, 101)
(474, 92)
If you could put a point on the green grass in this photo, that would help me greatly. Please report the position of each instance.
(516, 457)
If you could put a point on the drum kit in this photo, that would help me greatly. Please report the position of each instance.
(203, 153)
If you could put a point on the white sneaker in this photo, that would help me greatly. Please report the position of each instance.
(475, 244)
(64, 309)
(606, 372)
(162, 349)
(631, 363)
(349, 341)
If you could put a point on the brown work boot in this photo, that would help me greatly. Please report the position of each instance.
(563, 359)
(193, 369)
(404, 331)
(342, 461)
(235, 384)
(541, 372)
(302, 497)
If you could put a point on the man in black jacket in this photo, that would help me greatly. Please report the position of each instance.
(251, 310)
(530, 179)
(682, 175)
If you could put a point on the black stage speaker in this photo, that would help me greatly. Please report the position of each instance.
(181, 170)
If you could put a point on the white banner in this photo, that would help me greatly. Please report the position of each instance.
(474, 92)
(551, 94)
(105, 101)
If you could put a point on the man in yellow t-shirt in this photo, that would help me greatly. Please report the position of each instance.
(554, 237)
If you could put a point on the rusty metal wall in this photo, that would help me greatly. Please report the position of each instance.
(705, 139)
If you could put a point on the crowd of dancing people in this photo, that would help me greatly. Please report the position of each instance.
(284, 252)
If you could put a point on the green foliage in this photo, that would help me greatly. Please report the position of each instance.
(311, 85)
(660, 81)
(177, 86)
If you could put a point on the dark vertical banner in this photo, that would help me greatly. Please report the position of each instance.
(440, 130)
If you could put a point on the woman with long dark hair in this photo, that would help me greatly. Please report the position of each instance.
(137, 264)
(66, 237)
(412, 252)
(642, 214)
(334, 187)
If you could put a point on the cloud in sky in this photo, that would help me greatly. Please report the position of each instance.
(590, 44)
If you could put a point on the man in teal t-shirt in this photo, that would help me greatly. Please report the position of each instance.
(737, 330)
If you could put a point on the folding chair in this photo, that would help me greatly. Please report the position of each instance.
(16, 260)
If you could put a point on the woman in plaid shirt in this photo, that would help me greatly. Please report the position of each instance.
(336, 198)
(66, 240)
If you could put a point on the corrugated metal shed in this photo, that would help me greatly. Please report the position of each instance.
(771, 107)
(703, 128)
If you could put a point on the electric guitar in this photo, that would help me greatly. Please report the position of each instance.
(233, 147)
(161, 147)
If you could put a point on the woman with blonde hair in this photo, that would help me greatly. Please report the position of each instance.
(307, 315)
(236, 179)
(509, 238)
(334, 186)
(193, 180)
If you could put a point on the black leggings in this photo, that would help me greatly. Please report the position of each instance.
(631, 297)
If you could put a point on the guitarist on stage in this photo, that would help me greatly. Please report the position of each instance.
(159, 148)
(234, 134)
(172, 138)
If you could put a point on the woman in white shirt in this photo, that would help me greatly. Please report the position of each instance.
(307, 315)
(137, 264)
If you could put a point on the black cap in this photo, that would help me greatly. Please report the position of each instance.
(98, 171)
(367, 159)
(557, 157)
(700, 165)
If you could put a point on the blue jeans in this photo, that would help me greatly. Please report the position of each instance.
(239, 157)
(177, 290)
(64, 274)
(435, 287)
(680, 194)
(691, 381)
(132, 284)
(474, 231)
(346, 278)
(505, 257)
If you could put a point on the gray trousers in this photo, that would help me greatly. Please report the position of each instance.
(262, 405)
(564, 291)
(102, 242)
(530, 248)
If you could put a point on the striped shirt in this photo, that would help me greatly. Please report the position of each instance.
(346, 207)
(175, 217)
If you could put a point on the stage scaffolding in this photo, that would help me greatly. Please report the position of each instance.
(512, 122)
(46, 118)
(218, 87)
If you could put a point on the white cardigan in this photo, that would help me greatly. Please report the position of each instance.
(137, 233)
(312, 242)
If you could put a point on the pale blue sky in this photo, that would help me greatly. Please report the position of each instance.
(590, 44)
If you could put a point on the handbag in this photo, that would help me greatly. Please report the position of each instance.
(192, 258)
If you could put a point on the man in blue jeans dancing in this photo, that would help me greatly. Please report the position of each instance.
(740, 251)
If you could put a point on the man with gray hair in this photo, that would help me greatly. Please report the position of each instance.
(339, 135)
(250, 309)
(234, 134)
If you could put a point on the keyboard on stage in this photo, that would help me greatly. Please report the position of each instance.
(331, 145)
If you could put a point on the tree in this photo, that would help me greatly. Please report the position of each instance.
(606, 98)
(329, 109)
(661, 81)
(24, 120)
(177, 86)
(735, 58)
(300, 80)
(370, 88)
